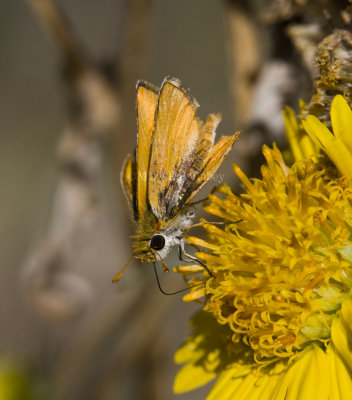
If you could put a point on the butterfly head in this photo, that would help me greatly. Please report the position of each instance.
(151, 249)
(154, 240)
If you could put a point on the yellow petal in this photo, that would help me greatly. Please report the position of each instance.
(271, 388)
(246, 390)
(192, 376)
(194, 295)
(225, 386)
(335, 148)
(341, 120)
(188, 351)
(308, 147)
(301, 145)
(255, 387)
(342, 340)
(340, 155)
(308, 378)
(200, 242)
(318, 132)
(265, 388)
(341, 379)
(188, 269)
(292, 132)
(346, 313)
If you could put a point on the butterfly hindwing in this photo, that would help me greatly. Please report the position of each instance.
(212, 162)
(126, 178)
(205, 144)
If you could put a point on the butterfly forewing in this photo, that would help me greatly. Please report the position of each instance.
(174, 143)
(147, 98)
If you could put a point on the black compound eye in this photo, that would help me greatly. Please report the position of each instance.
(157, 242)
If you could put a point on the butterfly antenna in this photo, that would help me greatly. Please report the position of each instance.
(172, 293)
(117, 277)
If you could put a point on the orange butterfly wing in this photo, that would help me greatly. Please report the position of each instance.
(207, 158)
(126, 179)
(174, 143)
(212, 162)
(147, 98)
(175, 155)
(134, 174)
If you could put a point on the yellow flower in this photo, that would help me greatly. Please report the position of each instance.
(301, 145)
(337, 146)
(278, 321)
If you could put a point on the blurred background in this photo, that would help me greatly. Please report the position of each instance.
(67, 120)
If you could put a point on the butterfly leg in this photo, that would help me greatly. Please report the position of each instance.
(182, 253)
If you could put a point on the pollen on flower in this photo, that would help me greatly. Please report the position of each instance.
(282, 263)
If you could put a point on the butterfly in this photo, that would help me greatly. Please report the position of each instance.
(175, 157)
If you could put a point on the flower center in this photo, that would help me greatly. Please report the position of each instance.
(283, 267)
